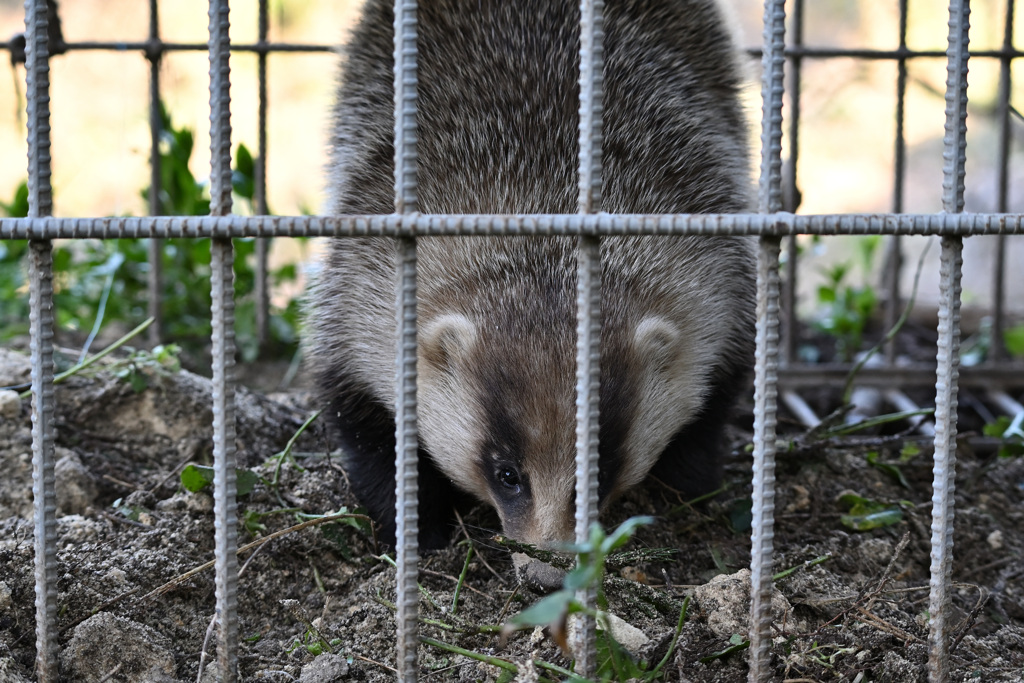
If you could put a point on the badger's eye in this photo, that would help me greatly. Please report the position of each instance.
(509, 478)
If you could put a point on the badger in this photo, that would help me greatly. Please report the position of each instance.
(498, 133)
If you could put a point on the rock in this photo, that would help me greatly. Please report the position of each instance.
(10, 404)
(538, 576)
(326, 668)
(105, 642)
(15, 368)
(76, 489)
(10, 672)
(627, 635)
(624, 633)
(726, 601)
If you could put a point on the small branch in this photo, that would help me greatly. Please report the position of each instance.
(102, 354)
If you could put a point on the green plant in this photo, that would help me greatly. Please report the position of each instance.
(1010, 434)
(99, 282)
(865, 514)
(1013, 338)
(13, 284)
(553, 611)
(845, 309)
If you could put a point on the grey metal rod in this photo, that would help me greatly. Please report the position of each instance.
(391, 225)
(40, 200)
(791, 192)
(225, 505)
(154, 279)
(43, 483)
(406, 441)
(948, 347)
(772, 91)
(223, 307)
(944, 467)
(763, 494)
(260, 194)
(894, 258)
(588, 305)
(998, 352)
(406, 483)
(767, 352)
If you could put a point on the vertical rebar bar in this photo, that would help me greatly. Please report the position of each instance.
(40, 200)
(588, 304)
(998, 346)
(44, 495)
(260, 194)
(767, 354)
(894, 259)
(763, 494)
(791, 194)
(223, 313)
(944, 468)
(948, 346)
(772, 91)
(154, 279)
(406, 441)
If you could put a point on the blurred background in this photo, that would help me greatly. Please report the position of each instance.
(847, 133)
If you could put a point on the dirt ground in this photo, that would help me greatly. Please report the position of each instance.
(314, 603)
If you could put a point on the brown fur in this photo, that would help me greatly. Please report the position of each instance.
(498, 134)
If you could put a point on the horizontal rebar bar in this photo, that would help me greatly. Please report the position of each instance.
(777, 224)
(269, 47)
(800, 376)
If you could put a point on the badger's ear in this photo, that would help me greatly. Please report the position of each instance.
(447, 340)
(656, 342)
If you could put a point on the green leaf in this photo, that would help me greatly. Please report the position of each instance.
(736, 644)
(1011, 450)
(246, 481)
(909, 451)
(244, 162)
(998, 428)
(18, 208)
(741, 516)
(623, 533)
(872, 520)
(548, 610)
(138, 381)
(195, 478)
(888, 468)
(866, 514)
(1013, 338)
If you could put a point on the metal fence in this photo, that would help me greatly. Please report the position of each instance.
(771, 224)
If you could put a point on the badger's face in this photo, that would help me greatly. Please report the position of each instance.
(498, 420)
(498, 414)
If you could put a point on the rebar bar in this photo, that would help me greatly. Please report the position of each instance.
(154, 278)
(391, 225)
(948, 346)
(40, 201)
(944, 467)
(406, 441)
(588, 306)
(262, 292)
(894, 257)
(44, 494)
(791, 192)
(998, 348)
(225, 505)
(767, 352)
